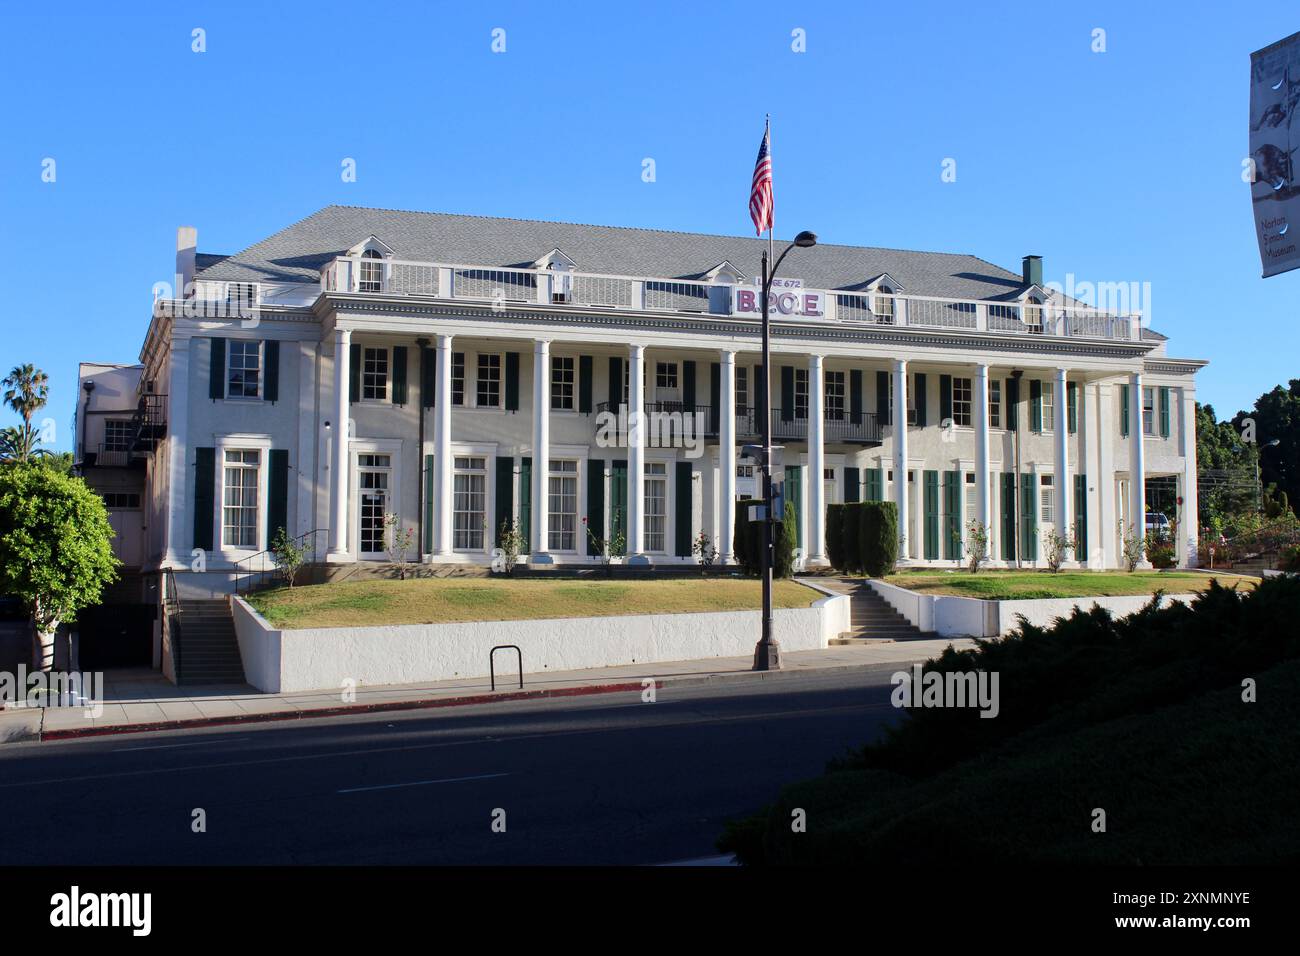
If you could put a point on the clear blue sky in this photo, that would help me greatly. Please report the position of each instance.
(1116, 166)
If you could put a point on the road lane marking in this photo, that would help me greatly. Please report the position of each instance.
(423, 783)
(197, 743)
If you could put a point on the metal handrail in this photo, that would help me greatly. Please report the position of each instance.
(244, 571)
(492, 670)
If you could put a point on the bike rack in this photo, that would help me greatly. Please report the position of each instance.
(492, 663)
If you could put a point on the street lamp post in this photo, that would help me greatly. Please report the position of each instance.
(767, 653)
(1259, 484)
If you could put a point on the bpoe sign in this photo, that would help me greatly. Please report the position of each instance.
(788, 297)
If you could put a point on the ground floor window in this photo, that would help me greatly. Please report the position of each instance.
(562, 506)
(1047, 500)
(656, 506)
(469, 503)
(373, 473)
(239, 499)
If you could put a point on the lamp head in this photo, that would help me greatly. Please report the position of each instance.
(805, 239)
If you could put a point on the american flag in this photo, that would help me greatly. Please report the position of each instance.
(760, 193)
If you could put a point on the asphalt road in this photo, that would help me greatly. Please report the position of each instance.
(598, 780)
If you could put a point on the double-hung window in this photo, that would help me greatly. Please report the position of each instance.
(488, 390)
(243, 369)
(1049, 406)
(1148, 410)
(667, 384)
(370, 276)
(562, 503)
(562, 379)
(469, 503)
(374, 374)
(458, 378)
(656, 506)
(801, 393)
(239, 498)
(995, 403)
(835, 392)
(961, 402)
(742, 390)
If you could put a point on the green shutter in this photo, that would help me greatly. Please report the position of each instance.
(882, 398)
(271, 376)
(1081, 517)
(931, 514)
(919, 402)
(688, 387)
(354, 374)
(1028, 519)
(1072, 406)
(217, 370)
(595, 502)
(526, 503)
(1035, 405)
(399, 374)
(852, 485)
(512, 381)
(277, 494)
(205, 476)
(505, 494)
(1125, 393)
(1013, 403)
(1164, 412)
(428, 504)
(682, 505)
(876, 484)
(855, 396)
(945, 399)
(584, 384)
(793, 495)
(787, 393)
(615, 383)
(952, 489)
(1008, 516)
(428, 376)
(618, 498)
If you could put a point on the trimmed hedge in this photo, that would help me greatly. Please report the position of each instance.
(747, 541)
(862, 538)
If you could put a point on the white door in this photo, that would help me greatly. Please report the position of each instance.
(373, 483)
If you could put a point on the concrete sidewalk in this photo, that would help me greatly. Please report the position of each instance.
(139, 701)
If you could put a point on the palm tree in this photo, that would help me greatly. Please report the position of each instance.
(27, 389)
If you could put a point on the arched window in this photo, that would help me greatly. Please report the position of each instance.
(371, 277)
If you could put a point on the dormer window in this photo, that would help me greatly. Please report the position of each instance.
(1033, 316)
(561, 288)
(371, 275)
(882, 304)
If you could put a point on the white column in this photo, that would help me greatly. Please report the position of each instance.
(1104, 433)
(339, 432)
(1137, 464)
(541, 452)
(636, 455)
(1064, 482)
(1189, 527)
(1090, 465)
(983, 513)
(900, 457)
(442, 459)
(816, 543)
(180, 523)
(727, 456)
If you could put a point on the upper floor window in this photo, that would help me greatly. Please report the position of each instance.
(371, 275)
(883, 306)
(911, 403)
(488, 390)
(1033, 316)
(961, 402)
(562, 379)
(374, 374)
(1148, 410)
(742, 390)
(666, 381)
(117, 435)
(243, 369)
(458, 378)
(801, 393)
(835, 396)
(995, 403)
(1049, 406)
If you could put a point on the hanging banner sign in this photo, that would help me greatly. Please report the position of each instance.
(1273, 164)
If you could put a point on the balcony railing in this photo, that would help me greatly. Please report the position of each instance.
(501, 286)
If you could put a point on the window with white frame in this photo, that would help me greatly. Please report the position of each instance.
(961, 402)
(562, 503)
(458, 378)
(883, 306)
(1033, 316)
(488, 388)
(374, 374)
(243, 369)
(371, 274)
(835, 392)
(1148, 410)
(742, 390)
(117, 435)
(911, 403)
(469, 503)
(995, 403)
(667, 388)
(562, 379)
(1049, 406)
(656, 506)
(374, 472)
(1046, 499)
(239, 498)
(801, 393)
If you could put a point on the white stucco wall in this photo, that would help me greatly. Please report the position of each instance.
(318, 658)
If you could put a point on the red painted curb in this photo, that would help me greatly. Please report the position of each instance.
(426, 704)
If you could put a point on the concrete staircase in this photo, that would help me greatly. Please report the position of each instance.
(873, 620)
(209, 651)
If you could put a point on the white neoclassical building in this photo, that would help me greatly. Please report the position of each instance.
(468, 373)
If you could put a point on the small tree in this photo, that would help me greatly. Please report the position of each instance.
(288, 554)
(26, 391)
(1134, 548)
(398, 541)
(1055, 547)
(703, 549)
(977, 544)
(56, 552)
(784, 536)
(511, 542)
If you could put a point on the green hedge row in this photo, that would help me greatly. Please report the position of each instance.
(748, 541)
(862, 538)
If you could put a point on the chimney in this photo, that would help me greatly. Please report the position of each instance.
(1033, 270)
(187, 241)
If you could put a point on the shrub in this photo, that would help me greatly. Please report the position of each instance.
(745, 540)
(835, 536)
(783, 535)
(1055, 546)
(1289, 560)
(877, 537)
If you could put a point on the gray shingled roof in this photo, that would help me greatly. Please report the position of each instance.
(296, 254)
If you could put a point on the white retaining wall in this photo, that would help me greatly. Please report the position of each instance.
(951, 616)
(277, 661)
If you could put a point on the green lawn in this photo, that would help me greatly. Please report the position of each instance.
(447, 600)
(1009, 585)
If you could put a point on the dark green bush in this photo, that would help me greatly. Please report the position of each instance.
(1289, 560)
(835, 536)
(784, 538)
(877, 537)
(742, 539)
